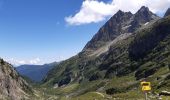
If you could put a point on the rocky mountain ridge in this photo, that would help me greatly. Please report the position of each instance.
(120, 23)
(136, 47)
(167, 13)
(12, 86)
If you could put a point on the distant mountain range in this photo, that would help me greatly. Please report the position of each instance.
(35, 72)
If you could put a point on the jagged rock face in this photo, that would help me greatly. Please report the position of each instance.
(167, 12)
(12, 86)
(114, 27)
(141, 17)
(120, 23)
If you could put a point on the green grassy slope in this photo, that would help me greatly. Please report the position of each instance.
(118, 72)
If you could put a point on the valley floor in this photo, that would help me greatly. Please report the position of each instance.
(123, 88)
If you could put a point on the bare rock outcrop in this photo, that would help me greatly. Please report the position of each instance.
(12, 86)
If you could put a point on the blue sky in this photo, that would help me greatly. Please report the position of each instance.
(43, 31)
(31, 29)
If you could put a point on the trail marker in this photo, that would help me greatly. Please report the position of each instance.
(146, 87)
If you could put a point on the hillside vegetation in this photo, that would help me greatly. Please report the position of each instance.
(116, 73)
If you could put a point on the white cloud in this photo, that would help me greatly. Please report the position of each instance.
(35, 61)
(16, 62)
(93, 11)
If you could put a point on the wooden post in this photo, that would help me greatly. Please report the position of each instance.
(146, 96)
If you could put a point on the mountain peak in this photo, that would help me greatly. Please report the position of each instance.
(145, 15)
(120, 12)
(143, 9)
(110, 30)
(167, 12)
(142, 16)
(120, 23)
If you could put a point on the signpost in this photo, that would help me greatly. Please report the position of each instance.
(146, 87)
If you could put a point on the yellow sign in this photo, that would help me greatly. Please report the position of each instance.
(146, 86)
